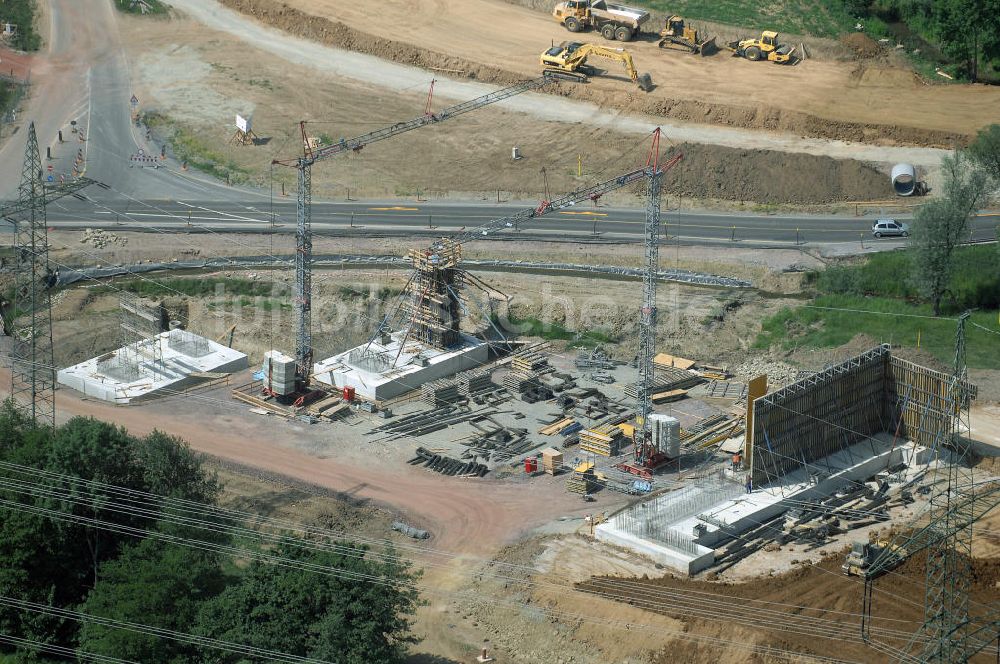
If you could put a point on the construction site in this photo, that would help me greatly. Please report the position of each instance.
(569, 410)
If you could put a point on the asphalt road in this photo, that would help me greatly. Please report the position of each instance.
(366, 218)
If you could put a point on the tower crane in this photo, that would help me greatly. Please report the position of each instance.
(303, 209)
(646, 452)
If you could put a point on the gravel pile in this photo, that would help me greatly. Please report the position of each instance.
(100, 239)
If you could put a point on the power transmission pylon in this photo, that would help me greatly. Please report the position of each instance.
(29, 320)
(949, 571)
(33, 379)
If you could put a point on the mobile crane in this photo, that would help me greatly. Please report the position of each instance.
(568, 60)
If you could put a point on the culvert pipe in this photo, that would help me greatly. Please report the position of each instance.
(904, 179)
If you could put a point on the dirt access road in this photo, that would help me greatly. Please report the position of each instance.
(470, 517)
(869, 102)
(382, 73)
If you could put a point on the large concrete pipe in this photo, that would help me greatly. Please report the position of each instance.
(904, 179)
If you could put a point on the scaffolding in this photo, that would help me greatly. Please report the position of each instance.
(432, 303)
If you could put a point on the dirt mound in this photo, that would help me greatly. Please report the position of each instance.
(861, 45)
(764, 176)
(340, 35)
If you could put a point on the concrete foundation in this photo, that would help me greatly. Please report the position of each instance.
(381, 371)
(686, 530)
(160, 365)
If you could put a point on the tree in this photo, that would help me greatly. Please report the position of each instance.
(50, 560)
(966, 30)
(155, 584)
(340, 618)
(985, 151)
(942, 224)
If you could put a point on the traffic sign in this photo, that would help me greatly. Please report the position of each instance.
(50, 168)
(134, 101)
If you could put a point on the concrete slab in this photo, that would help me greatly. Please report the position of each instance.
(382, 371)
(687, 527)
(167, 362)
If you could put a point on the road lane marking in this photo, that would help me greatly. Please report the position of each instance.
(587, 213)
(395, 207)
(233, 216)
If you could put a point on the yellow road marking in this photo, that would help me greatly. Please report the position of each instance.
(587, 213)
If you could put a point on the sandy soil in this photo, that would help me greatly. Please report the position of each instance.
(202, 82)
(880, 103)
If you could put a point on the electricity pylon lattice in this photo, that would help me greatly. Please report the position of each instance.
(949, 562)
(30, 321)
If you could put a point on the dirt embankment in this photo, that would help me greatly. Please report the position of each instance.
(766, 176)
(336, 34)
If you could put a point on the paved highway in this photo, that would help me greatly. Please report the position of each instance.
(366, 218)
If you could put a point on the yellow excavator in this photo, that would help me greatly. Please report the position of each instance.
(569, 60)
(765, 48)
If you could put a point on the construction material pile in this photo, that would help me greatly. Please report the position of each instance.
(438, 393)
(100, 239)
(446, 465)
(605, 440)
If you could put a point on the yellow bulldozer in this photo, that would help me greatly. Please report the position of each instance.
(569, 60)
(676, 34)
(765, 48)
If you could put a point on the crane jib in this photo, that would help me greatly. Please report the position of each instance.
(357, 143)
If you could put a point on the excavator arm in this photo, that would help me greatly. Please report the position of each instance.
(616, 54)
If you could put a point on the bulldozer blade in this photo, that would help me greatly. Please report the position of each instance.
(708, 47)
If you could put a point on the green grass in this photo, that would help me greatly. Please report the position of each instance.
(822, 18)
(153, 7)
(384, 293)
(975, 283)
(826, 328)
(190, 149)
(533, 327)
(196, 287)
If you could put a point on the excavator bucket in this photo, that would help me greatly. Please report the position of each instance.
(645, 82)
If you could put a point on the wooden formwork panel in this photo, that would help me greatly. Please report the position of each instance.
(819, 415)
(840, 406)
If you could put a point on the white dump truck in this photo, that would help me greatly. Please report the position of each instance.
(612, 21)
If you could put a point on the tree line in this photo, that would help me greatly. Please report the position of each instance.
(940, 226)
(148, 567)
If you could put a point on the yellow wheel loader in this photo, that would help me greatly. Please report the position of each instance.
(569, 60)
(765, 48)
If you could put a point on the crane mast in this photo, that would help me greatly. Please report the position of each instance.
(646, 452)
(303, 207)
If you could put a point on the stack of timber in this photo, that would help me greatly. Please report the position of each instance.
(605, 440)
(667, 380)
(474, 383)
(530, 362)
(438, 393)
(552, 460)
(583, 480)
(519, 384)
(667, 361)
(330, 408)
(557, 427)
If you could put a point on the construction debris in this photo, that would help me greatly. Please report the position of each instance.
(99, 239)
